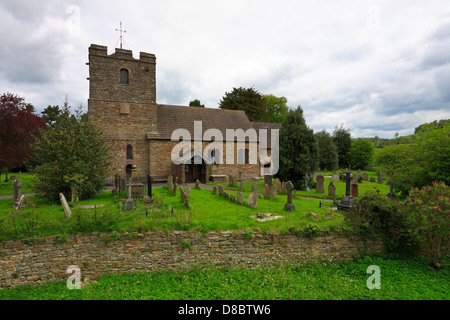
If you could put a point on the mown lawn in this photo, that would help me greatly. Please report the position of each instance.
(8, 187)
(400, 279)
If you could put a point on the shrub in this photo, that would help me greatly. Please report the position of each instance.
(426, 214)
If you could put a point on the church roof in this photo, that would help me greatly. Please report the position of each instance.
(172, 117)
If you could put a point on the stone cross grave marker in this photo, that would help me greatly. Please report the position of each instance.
(129, 203)
(289, 206)
(348, 179)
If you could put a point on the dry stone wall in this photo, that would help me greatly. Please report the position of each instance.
(95, 254)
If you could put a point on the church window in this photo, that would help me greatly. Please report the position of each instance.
(129, 152)
(246, 157)
(124, 76)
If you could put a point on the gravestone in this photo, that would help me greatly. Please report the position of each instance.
(306, 182)
(331, 189)
(149, 186)
(283, 187)
(372, 179)
(273, 192)
(277, 184)
(232, 181)
(17, 191)
(220, 190)
(320, 184)
(187, 191)
(21, 203)
(265, 191)
(197, 184)
(354, 179)
(365, 176)
(175, 185)
(233, 197)
(268, 180)
(240, 197)
(347, 200)
(184, 197)
(380, 177)
(214, 190)
(335, 177)
(391, 189)
(170, 183)
(129, 203)
(289, 206)
(252, 200)
(354, 190)
(241, 184)
(255, 187)
(359, 171)
(65, 205)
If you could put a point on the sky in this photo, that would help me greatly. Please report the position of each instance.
(374, 67)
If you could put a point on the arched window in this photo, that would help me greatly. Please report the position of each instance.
(240, 159)
(247, 161)
(124, 76)
(129, 152)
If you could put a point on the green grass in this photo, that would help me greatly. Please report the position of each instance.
(401, 279)
(7, 188)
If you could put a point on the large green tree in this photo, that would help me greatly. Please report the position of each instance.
(343, 141)
(71, 158)
(248, 100)
(196, 103)
(360, 153)
(328, 157)
(298, 149)
(276, 108)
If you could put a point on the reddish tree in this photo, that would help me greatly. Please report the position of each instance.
(18, 126)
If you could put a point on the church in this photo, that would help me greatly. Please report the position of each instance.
(141, 133)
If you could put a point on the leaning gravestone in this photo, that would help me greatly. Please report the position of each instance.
(365, 176)
(331, 189)
(289, 206)
(65, 205)
(21, 203)
(240, 197)
(252, 200)
(320, 184)
(277, 184)
(265, 191)
(335, 177)
(273, 192)
(184, 197)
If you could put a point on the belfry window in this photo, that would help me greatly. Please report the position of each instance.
(129, 152)
(124, 76)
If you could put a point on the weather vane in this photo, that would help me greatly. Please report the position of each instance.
(121, 31)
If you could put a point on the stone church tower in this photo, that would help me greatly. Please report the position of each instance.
(122, 103)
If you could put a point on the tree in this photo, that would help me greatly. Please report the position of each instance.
(298, 149)
(196, 103)
(72, 158)
(51, 115)
(328, 157)
(276, 108)
(343, 141)
(18, 126)
(248, 100)
(361, 153)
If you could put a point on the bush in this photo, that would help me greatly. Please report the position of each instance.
(426, 213)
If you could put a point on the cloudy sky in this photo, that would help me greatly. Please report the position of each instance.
(377, 67)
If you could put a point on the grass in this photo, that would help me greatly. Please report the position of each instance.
(7, 188)
(401, 279)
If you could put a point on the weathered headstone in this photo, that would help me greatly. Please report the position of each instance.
(129, 203)
(359, 171)
(391, 189)
(17, 191)
(65, 205)
(268, 180)
(21, 203)
(335, 177)
(273, 192)
(331, 189)
(265, 191)
(255, 187)
(184, 197)
(380, 177)
(365, 176)
(283, 187)
(372, 179)
(240, 197)
(306, 183)
(277, 184)
(175, 185)
(354, 190)
(252, 200)
(214, 190)
(320, 184)
(187, 191)
(241, 185)
(197, 184)
(170, 183)
(289, 206)
(354, 179)
(220, 190)
(233, 197)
